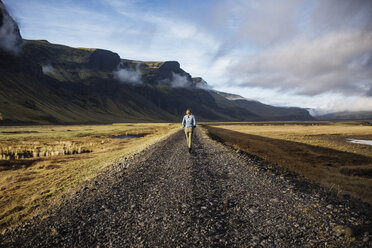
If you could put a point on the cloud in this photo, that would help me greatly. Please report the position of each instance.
(184, 81)
(336, 62)
(257, 24)
(10, 39)
(179, 81)
(333, 15)
(310, 49)
(203, 87)
(128, 75)
(47, 69)
(352, 103)
(200, 83)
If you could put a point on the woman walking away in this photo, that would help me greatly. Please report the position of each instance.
(189, 123)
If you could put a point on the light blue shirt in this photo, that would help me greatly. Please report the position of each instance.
(188, 121)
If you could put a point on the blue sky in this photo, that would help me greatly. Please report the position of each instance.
(307, 53)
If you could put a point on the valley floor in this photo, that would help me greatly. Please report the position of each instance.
(213, 197)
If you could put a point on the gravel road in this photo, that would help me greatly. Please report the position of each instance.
(213, 197)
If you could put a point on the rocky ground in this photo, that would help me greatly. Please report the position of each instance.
(213, 197)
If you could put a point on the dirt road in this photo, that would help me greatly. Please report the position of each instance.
(214, 197)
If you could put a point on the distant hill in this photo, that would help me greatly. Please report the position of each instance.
(347, 115)
(44, 83)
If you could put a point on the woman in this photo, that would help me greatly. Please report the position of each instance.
(189, 123)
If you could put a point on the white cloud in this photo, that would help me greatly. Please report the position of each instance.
(351, 103)
(337, 62)
(48, 69)
(128, 75)
(302, 50)
(179, 81)
(320, 104)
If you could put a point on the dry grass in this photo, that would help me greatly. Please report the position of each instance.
(319, 151)
(29, 185)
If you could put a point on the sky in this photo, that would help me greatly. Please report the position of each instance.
(314, 54)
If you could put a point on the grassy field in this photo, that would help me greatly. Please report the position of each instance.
(318, 151)
(38, 164)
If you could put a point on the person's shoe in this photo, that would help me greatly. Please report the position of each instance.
(189, 150)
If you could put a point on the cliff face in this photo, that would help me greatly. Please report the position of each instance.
(44, 83)
(48, 83)
(10, 37)
(103, 60)
(169, 68)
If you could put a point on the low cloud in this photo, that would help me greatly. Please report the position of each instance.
(47, 69)
(179, 81)
(128, 75)
(184, 81)
(352, 103)
(203, 85)
(10, 39)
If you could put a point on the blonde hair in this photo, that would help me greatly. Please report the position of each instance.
(188, 111)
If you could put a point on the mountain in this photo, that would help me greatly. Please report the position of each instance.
(347, 115)
(10, 37)
(45, 83)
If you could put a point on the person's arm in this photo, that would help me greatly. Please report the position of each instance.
(183, 122)
(194, 122)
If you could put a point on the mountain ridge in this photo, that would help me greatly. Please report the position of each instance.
(47, 83)
(347, 115)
